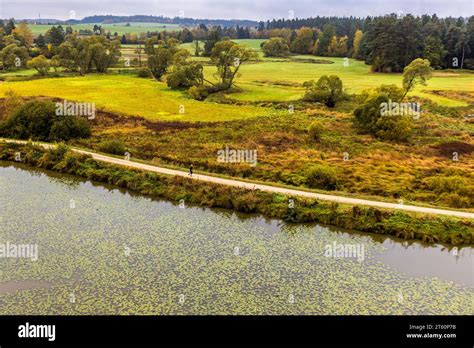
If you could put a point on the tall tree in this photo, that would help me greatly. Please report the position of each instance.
(417, 72)
(228, 58)
(25, 34)
(356, 43)
(325, 39)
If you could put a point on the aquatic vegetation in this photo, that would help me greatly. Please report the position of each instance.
(112, 252)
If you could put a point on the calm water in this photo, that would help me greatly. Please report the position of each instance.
(106, 251)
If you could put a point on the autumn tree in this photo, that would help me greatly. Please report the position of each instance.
(325, 39)
(40, 64)
(276, 47)
(228, 58)
(356, 43)
(304, 41)
(24, 33)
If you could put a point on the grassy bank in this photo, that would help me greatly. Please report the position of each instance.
(409, 226)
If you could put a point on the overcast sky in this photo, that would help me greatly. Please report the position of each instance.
(231, 9)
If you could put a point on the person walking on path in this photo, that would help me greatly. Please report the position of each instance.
(191, 170)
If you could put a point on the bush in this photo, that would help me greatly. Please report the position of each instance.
(144, 73)
(315, 130)
(322, 177)
(69, 127)
(327, 90)
(41, 64)
(185, 76)
(276, 47)
(455, 183)
(11, 102)
(114, 146)
(368, 116)
(393, 92)
(394, 128)
(455, 200)
(38, 120)
(198, 92)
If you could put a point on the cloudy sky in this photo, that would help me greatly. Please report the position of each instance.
(231, 9)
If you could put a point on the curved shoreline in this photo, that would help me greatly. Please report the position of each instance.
(275, 204)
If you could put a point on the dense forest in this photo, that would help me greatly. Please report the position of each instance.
(388, 43)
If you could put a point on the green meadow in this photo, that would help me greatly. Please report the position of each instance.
(132, 96)
(280, 79)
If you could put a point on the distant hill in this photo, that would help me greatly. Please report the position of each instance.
(40, 21)
(110, 19)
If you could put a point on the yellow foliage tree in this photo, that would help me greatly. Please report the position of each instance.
(356, 43)
(25, 33)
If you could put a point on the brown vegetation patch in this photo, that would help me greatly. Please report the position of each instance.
(278, 83)
(447, 149)
(277, 140)
(311, 61)
(458, 95)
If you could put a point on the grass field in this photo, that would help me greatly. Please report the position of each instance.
(277, 79)
(120, 28)
(132, 96)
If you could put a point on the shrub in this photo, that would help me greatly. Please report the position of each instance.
(455, 183)
(69, 127)
(33, 119)
(113, 146)
(144, 73)
(327, 90)
(392, 91)
(395, 128)
(198, 92)
(185, 76)
(38, 120)
(455, 200)
(11, 102)
(322, 177)
(41, 64)
(275, 47)
(368, 118)
(315, 130)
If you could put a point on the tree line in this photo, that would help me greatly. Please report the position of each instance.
(388, 43)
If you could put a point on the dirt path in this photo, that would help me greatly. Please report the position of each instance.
(273, 189)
